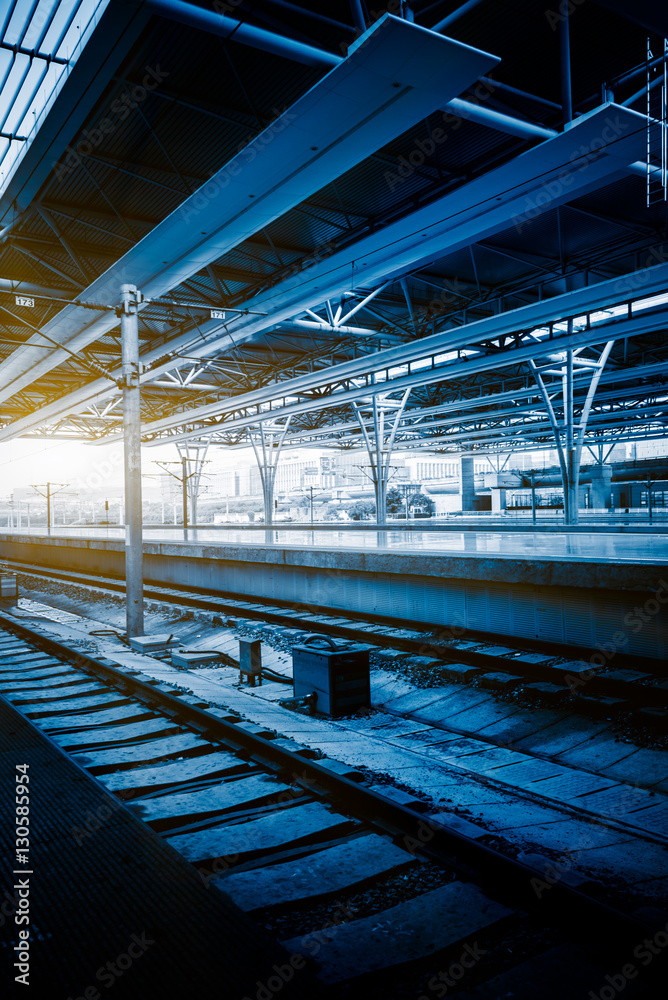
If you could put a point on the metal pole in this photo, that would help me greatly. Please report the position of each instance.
(380, 482)
(48, 508)
(452, 17)
(572, 472)
(311, 489)
(184, 485)
(358, 16)
(134, 583)
(533, 497)
(565, 64)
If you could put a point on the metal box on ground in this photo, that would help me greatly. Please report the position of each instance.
(9, 588)
(338, 672)
(154, 643)
(195, 657)
(250, 660)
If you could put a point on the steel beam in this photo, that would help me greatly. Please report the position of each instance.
(239, 31)
(578, 302)
(619, 329)
(515, 192)
(394, 76)
(446, 22)
(541, 178)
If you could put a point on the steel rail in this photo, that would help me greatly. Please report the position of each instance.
(572, 908)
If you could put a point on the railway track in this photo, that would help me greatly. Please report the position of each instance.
(382, 897)
(635, 687)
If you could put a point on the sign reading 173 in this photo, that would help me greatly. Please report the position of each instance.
(21, 300)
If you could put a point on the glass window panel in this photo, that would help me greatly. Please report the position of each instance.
(39, 24)
(62, 17)
(14, 81)
(25, 97)
(18, 22)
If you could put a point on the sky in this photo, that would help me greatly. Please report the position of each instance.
(85, 467)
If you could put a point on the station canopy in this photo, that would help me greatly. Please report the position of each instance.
(325, 205)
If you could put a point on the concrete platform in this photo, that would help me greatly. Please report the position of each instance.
(110, 900)
(608, 590)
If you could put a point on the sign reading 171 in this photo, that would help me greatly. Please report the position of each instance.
(21, 300)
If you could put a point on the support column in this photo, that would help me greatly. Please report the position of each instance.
(134, 581)
(267, 442)
(378, 447)
(601, 485)
(568, 433)
(499, 499)
(193, 459)
(571, 491)
(467, 482)
(184, 495)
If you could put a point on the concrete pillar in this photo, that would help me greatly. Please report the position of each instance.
(467, 482)
(498, 499)
(601, 484)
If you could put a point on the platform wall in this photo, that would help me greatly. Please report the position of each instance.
(630, 617)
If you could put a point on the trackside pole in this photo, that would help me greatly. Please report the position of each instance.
(134, 577)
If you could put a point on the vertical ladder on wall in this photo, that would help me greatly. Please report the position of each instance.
(657, 127)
